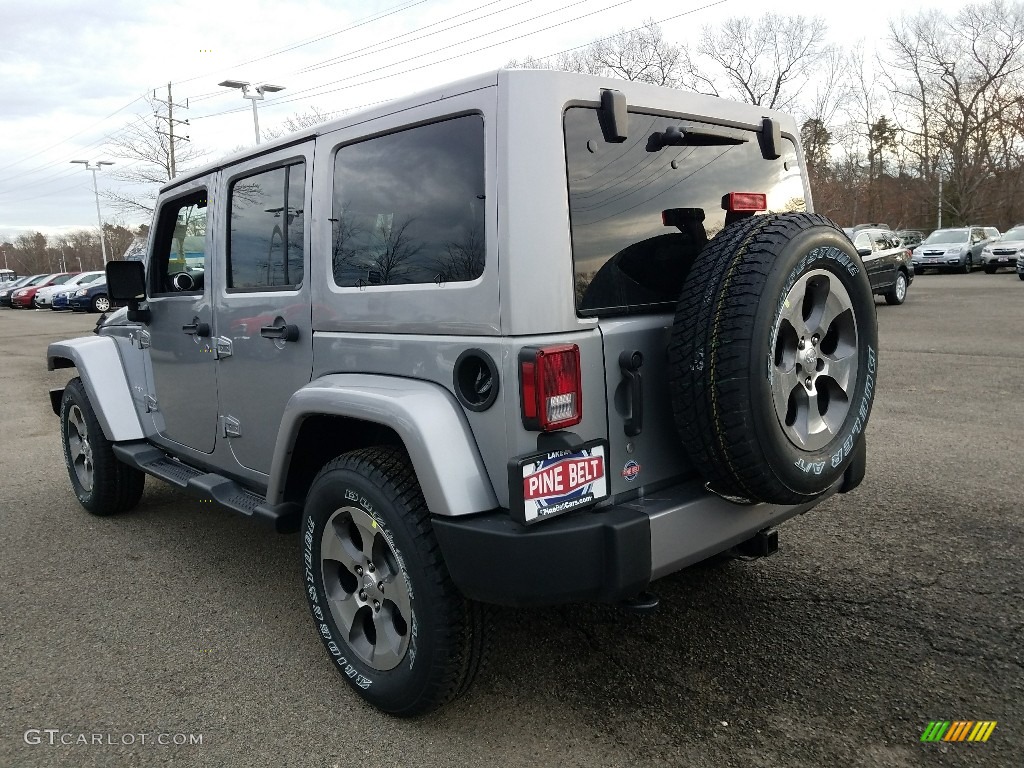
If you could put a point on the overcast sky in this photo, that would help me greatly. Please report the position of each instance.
(73, 73)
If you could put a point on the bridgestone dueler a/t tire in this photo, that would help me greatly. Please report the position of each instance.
(446, 633)
(115, 487)
(721, 353)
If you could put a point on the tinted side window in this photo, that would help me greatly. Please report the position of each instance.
(409, 206)
(266, 236)
(180, 246)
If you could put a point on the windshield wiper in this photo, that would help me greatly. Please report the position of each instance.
(693, 136)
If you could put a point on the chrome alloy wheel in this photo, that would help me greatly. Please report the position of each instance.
(901, 287)
(814, 362)
(79, 448)
(367, 592)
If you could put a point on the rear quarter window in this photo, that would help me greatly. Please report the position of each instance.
(409, 206)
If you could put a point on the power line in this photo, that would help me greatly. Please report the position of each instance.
(294, 96)
(64, 141)
(358, 53)
(362, 22)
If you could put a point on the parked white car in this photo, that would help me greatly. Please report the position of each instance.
(44, 296)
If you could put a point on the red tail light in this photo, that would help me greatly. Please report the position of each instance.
(550, 387)
(736, 202)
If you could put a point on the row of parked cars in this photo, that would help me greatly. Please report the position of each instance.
(77, 291)
(892, 259)
(962, 249)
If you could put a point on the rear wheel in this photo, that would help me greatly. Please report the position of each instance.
(773, 358)
(898, 293)
(100, 303)
(103, 484)
(384, 605)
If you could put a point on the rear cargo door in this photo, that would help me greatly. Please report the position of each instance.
(642, 207)
(644, 449)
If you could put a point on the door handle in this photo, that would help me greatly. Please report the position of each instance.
(630, 363)
(197, 329)
(284, 332)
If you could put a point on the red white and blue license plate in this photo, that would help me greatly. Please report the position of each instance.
(547, 484)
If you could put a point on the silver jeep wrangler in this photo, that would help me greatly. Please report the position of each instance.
(529, 338)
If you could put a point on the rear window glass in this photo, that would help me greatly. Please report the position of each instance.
(625, 259)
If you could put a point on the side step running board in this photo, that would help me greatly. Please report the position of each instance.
(284, 518)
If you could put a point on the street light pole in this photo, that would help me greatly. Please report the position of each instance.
(254, 93)
(97, 166)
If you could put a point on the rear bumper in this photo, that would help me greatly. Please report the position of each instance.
(604, 556)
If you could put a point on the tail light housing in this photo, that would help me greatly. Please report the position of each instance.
(550, 387)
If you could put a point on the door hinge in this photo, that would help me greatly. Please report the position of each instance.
(224, 347)
(230, 426)
(151, 404)
(144, 339)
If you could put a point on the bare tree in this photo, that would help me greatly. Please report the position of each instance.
(299, 121)
(148, 155)
(960, 81)
(767, 61)
(640, 54)
(464, 259)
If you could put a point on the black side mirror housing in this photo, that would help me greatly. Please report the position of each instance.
(126, 283)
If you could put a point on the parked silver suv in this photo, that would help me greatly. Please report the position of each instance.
(529, 338)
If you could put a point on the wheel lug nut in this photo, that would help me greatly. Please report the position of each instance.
(801, 344)
(359, 570)
(369, 567)
(380, 585)
(376, 605)
(814, 339)
(362, 595)
(807, 382)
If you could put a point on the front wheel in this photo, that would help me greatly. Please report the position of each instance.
(898, 293)
(968, 266)
(100, 303)
(103, 484)
(383, 603)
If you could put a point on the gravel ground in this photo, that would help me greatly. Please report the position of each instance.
(884, 609)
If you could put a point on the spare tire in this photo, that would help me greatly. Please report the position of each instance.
(773, 358)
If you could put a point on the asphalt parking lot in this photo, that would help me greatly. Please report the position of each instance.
(895, 605)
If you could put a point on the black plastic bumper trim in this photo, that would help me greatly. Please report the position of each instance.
(602, 556)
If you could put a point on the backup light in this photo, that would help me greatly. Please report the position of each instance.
(551, 390)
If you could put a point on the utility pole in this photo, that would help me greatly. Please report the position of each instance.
(97, 166)
(171, 122)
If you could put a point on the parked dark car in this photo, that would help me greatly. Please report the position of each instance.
(886, 260)
(91, 298)
(6, 289)
(911, 237)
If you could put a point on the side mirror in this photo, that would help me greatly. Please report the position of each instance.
(864, 251)
(126, 283)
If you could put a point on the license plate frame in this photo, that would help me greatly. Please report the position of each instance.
(581, 482)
